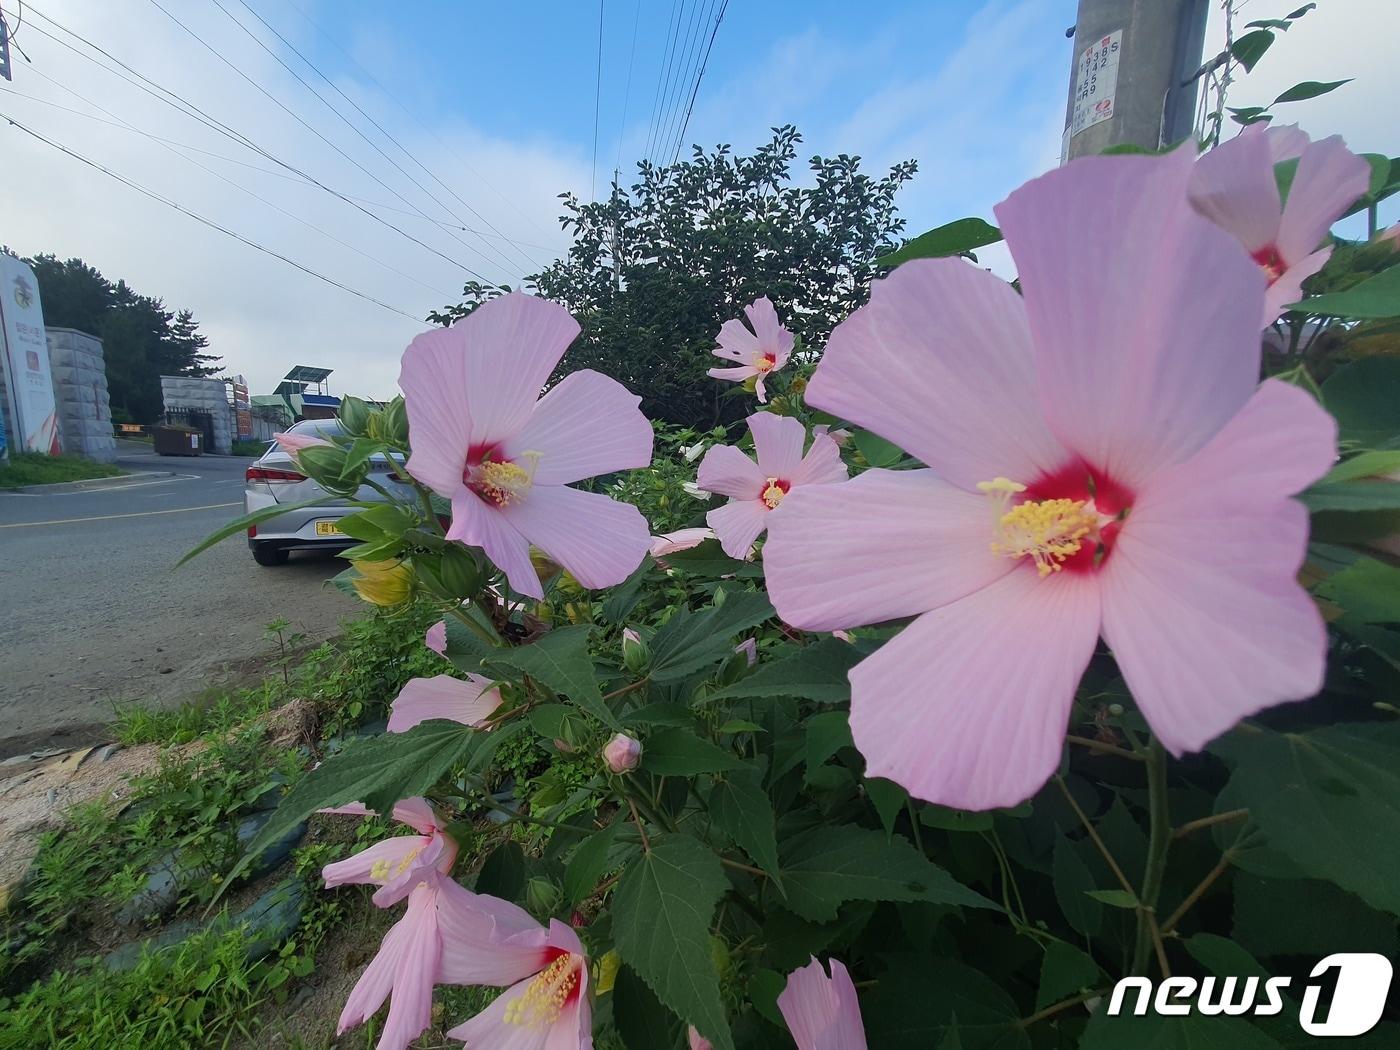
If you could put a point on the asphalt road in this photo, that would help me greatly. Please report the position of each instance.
(94, 613)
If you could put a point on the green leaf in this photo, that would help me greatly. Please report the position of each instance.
(708, 559)
(1196, 1031)
(1376, 297)
(623, 598)
(888, 798)
(358, 454)
(591, 860)
(1352, 497)
(560, 661)
(465, 648)
(1223, 957)
(826, 866)
(827, 733)
(764, 987)
(255, 518)
(642, 1021)
(1367, 589)
(1064, 971)
(692, 640)
(680, 753)
(934, 816)
(1321, 918)
(1073, 882)
(379, 772)
(922, 1002)
(1329, 800)
(877, 451)
(742, 810)
(816, 672)
(1250, 48)
(1365, 398)
(1309, 89)
(503, 872)
(1115, 898)
(1365, 465)
(954, 238)
(662, 911)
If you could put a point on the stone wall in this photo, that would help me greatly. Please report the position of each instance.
(80, 389)
(203, 395)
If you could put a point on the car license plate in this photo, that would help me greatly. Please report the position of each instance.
(327, 528)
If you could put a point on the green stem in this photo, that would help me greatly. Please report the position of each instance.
(1158, 840)
(476, 628)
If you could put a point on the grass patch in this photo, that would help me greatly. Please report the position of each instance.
(249, 448)
(35, 468)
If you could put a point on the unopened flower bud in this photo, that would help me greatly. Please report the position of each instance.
(563, 746)
(635, 654)
(622, 753)
(541, 896)
(749, 647)
(698, 1041)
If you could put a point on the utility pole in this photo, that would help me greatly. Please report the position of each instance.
(1133, 77)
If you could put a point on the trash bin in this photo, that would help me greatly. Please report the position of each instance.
(177, 441)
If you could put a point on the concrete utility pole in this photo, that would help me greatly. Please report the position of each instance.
(1132, 78)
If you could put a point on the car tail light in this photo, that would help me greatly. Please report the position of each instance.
(272, 474)
(252, 531)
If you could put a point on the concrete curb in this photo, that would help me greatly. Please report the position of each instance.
(93, 483)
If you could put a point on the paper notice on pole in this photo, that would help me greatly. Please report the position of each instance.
(1096, 82)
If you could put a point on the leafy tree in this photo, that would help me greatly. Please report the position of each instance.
(655, 270)
(141, 339)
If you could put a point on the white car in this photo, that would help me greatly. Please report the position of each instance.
(273, 478)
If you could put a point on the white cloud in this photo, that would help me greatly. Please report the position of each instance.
(260, 314)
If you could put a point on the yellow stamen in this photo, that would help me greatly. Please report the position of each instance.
(383, 871)
(543, 999)
(1048, 530)
(504, 482)
(773, 493)
(764, 362)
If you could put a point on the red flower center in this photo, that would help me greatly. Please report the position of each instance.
(496, 479)
(774, 489)
(765, 362)
(1271, 262)
(1068, 519)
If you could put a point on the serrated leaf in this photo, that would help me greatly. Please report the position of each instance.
(662, 911)
(503, 872)
(465, 648)
(888, 798)
(826, 866)
(1073, 881)
(623, 598)
(641, 1019)
(816, 672)
(742, 809)
(922, 1002)
(379, 772)
(589, 862)
(1064, 971)
(1374, 298)
(1327, 800)
(678, 752)
(953, 238)
(560, 661)
(692, 640)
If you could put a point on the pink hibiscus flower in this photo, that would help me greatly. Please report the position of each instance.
(1233, 186)
(470, 702)
(546, 1006)
(1101, 460)
(483, 437)
(436, 638)
(412, 959)
(396, 864)
(822, 1012)
(756, 489)
(760, 352)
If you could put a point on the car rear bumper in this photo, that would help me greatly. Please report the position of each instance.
(305, 528)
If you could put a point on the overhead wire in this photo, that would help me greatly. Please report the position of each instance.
(662, 74)
(627, 92)
(597, 100)
(682, 79)
(699, 76)
(162, 199)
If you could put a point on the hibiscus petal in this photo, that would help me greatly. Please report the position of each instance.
(735, 341)
(356, 870)
(436, 638)
(411, 1005)
(903, 542)
(418, 814)
(849, 1030)
(1329, 179)
(1234, 187)
(1202, 607)
(773, 338)
(1288, 289)
(821, 1012)
(967, 706)
(442, 696)
(821, 465)
(732, 375)
(1145, 315)
(377, 981)
(487, 940)
(940, 362)
(728, 472)
(587, 425)
(478, 525)
(738, 524)
(597, 539)
(777, 444)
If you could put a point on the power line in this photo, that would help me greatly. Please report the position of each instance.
(192, 111)
(207, 222)
(118, 122)
(437, 138)
(627, 92)
(704, 62)
(597, 99)
(374, 146)
(682, 78)
(662, 74)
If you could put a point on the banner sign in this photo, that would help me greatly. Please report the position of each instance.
(28, 377)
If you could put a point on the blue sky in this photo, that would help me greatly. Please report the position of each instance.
(498, 104)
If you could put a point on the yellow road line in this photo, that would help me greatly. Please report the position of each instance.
(109, 517)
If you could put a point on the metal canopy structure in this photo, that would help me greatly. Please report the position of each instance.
(302, 376)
